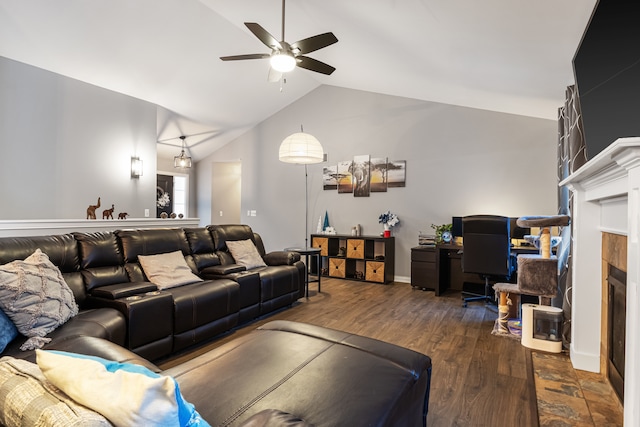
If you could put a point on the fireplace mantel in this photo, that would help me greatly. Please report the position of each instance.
(606, 193)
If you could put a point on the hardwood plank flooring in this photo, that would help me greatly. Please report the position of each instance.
(478, 379)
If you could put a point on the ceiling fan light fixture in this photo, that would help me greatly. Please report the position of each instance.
(283, 62)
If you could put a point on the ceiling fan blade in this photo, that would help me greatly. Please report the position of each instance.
(274, 76)
(249, 56)
(314, 43)
(314, 65)
(263, 35)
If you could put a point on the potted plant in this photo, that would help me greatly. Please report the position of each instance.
(388, 220)
(443, 233)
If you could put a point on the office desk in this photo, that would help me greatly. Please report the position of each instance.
(439, 268)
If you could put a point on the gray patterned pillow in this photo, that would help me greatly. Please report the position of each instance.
(27, 398)
(244, 252)
(35, 297)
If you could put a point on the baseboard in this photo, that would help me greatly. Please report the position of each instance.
(584, 361)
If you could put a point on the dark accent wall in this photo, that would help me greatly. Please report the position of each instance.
(607, 73)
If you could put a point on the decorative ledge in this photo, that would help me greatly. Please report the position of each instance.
(37, 227)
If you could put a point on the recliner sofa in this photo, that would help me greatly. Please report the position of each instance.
(118, 301)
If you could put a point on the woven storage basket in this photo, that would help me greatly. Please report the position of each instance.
(375, 271)
(337, 267)
(322, 243)
(355, 248)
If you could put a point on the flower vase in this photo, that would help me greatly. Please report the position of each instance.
(387, 231)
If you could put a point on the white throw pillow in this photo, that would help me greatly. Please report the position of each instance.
(36, 298)
(167, 270)
(244, 252)
(126, 394)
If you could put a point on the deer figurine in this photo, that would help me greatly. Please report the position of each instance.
(91, 210)
(108, 213)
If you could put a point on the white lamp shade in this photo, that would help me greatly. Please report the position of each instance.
(283, 62)
(301, 148)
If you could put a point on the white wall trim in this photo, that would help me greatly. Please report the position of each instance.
(17, 228)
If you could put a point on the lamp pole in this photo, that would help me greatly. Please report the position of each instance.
(306, 207)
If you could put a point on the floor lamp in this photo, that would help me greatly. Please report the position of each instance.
(302, 149)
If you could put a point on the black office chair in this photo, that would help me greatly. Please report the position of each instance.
(486, 241)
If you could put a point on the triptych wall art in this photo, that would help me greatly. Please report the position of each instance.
(364, 175)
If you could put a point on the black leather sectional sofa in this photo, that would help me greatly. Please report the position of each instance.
(290, 374)
(118, 303)
(281, 374)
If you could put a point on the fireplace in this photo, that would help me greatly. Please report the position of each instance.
(616, 321)
(606, 194)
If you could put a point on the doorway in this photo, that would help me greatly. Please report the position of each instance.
(226, 179)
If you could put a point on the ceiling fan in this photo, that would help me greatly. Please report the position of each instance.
(284, 57)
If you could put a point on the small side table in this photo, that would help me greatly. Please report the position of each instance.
(309, 252)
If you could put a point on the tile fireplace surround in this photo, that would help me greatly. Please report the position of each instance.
(606, 199)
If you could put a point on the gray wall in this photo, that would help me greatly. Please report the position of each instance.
(64, 143)
(460, 161)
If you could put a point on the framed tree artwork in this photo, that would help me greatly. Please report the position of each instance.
(378, 175)
(330, 177)
(344, 177)
(396, 173)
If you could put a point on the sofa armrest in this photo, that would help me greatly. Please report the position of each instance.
(281, 258)
(222, 270)
(123, 290)
(98, 347)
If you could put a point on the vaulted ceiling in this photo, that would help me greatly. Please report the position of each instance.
(503, 55)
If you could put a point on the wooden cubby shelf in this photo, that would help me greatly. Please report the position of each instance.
(365, 258)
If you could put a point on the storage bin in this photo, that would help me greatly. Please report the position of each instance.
(355, 248)
(375, 271)
(337, 267)
(322, 243)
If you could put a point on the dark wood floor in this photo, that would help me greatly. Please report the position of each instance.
(478, 379)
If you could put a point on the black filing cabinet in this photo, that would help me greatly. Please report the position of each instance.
(423, 267)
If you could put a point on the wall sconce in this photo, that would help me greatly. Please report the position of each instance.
(136, 167)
